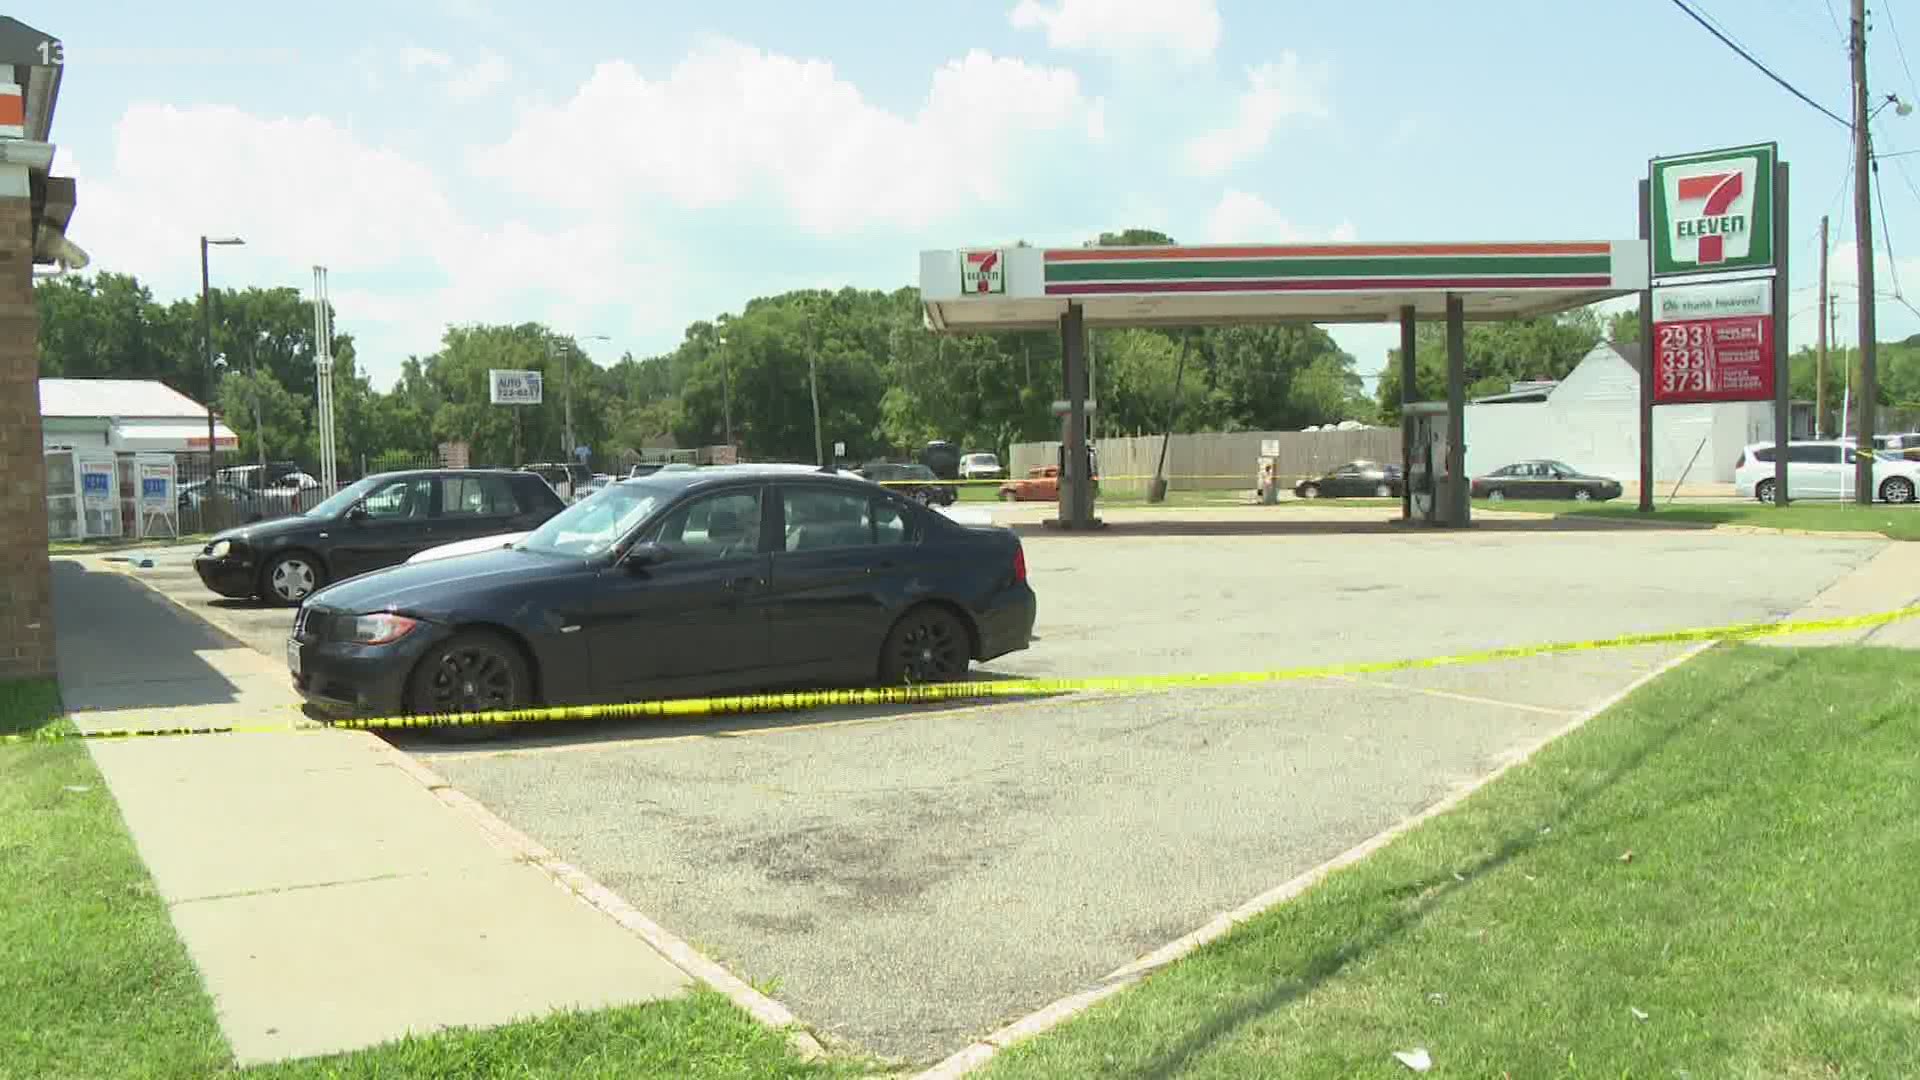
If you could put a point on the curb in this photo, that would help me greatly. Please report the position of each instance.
(975, 1055)
(609, 903)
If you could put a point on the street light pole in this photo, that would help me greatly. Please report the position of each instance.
(1863, 245)
(726, 391)
(206, 330)
(566, 390)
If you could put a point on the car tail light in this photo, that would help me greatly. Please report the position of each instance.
(1019, 563)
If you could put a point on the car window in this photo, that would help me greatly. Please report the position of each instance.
(819, 518)
(1347, 470)
(408, 498)
(723, 525)
(475, 496)
(1765, 453)
(1819, 455)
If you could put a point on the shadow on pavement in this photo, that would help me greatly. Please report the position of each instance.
(1383, 527)
(121, 645)
(496, 738)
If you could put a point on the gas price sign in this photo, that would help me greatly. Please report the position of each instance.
(1713, 343)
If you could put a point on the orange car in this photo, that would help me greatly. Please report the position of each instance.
(1041, 484)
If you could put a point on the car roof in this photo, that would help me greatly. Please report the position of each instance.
(716, 474)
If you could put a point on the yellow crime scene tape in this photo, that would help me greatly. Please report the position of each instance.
(803, 700)
(1102, 478)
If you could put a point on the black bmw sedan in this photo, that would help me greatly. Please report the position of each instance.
(726, 579)
(370, 524)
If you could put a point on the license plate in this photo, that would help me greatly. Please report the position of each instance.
(293, 656)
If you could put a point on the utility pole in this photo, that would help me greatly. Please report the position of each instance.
(1820, 427)
(1863, 246)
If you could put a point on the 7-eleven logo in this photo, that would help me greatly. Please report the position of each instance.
(982, 272)
(1711, 210)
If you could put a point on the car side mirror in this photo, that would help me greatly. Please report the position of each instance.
(645, 554)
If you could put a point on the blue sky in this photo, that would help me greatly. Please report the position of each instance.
(626, 169)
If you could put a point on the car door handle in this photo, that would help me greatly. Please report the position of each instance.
(741, 584)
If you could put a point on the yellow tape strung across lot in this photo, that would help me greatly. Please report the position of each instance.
(801, 700)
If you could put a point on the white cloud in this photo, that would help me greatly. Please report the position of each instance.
(1243, 217)
(307, 191)
(479, 79)
(731, 121)
(1189, 29)
(1275, 92)
(1097, 120)
(415, 57)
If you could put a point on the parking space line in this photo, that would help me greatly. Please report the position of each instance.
(1470, 699)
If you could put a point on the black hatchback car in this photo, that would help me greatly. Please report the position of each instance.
(914, 481)
(370, 524)
(725, 579)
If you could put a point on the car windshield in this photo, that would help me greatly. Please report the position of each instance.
(337, 504)
(590, 527)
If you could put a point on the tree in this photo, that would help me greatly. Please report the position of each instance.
(1624, 326)
(1497, 354)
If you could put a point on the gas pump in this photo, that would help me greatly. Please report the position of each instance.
(1430, 469)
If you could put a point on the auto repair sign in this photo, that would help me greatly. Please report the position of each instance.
(1713, 212)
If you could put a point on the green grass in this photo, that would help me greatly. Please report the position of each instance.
(1893, 522)
(93, 982)
(1766, 921)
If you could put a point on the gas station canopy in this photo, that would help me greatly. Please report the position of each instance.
(1027, 288)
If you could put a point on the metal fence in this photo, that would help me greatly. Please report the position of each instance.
(1217, 461)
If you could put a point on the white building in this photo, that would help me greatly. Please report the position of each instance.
(1591, 421)
(113, 450)
(125, 416)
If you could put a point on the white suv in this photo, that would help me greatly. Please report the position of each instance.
(1822, 470)
(981, 467)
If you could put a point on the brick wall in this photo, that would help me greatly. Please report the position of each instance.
(26, 590)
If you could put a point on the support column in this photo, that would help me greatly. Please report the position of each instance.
(1076, 496)
(26, 582)
(1782, 390)
(1407, 379)
(1646, 361)
(1457, 490)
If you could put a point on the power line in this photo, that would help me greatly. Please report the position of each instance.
(1835, 19)
(1902, 50)
(1748, 57)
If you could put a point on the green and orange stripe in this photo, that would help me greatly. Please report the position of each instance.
(1327, 267)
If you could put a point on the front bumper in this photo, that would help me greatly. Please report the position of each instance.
(344, 679)
(230, 575)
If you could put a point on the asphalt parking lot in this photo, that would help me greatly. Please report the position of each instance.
(911, 880)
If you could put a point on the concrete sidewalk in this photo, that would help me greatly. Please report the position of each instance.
(1890, 580)
(329, 899)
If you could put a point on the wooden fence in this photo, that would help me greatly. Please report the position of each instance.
(1218, 461)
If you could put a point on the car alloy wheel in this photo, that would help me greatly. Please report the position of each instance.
(1496, 495)
(1763, 491)
(927, 645)
(292, 578)
(474, 672)
(1582, 495)
(1383, 491)
(1311, 491)
(1897, 489)
(1008, 496)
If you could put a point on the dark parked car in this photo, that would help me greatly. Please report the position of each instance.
(1355, 479)
(1544, 479)
(730, 578)
(914, 481)
(370, 524)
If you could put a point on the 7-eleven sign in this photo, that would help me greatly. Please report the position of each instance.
(983, 272)
(1713, 212)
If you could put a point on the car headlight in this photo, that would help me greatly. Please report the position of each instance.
(219, 548)
(380, 628)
